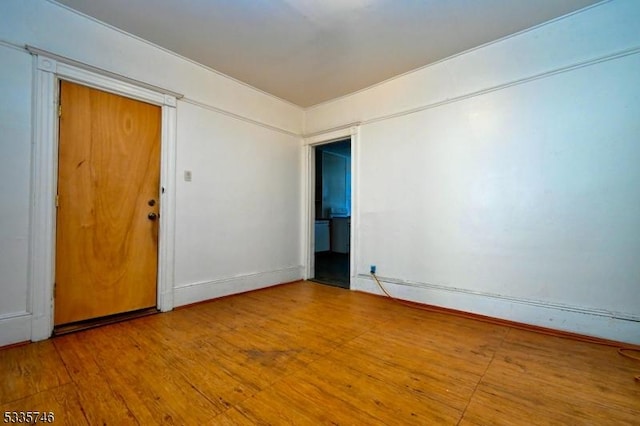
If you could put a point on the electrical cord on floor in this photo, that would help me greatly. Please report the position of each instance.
(413, 305)
(625, 352)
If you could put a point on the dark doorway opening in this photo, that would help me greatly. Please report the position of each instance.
(332, 246)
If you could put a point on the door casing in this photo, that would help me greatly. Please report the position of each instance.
(49, 69)
(308, 245)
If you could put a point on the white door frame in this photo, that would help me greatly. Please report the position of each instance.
(309, 173)
(49, 70)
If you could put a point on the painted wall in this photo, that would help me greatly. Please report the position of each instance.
(15, 165)
(234, 220)
(504, 181)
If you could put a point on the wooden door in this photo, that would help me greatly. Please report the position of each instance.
(108, 192)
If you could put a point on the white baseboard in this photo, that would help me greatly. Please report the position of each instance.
(15, 328)
(197, 292)
(621, 327)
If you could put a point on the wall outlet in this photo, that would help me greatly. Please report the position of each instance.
(373, 269)
(187, 175)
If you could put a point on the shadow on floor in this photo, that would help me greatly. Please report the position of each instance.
(332, 268)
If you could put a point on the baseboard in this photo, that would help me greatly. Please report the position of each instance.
(616, 326)
(197, 292)
(15, 328)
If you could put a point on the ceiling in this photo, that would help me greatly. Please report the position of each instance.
(310, 51)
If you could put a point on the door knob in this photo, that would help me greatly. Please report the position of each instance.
(152, 216)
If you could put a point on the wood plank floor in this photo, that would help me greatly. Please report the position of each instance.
(305, 353)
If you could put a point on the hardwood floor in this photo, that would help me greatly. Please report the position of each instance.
(305, 353)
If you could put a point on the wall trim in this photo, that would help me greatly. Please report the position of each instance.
(206, 290)
(333, 133)
(549, 73)
(83, 68)
(48, 72)
(239, 117)
(10, 45)
(542, 75)
(599, 323)
(15, 328)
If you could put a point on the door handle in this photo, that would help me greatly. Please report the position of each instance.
(152, 216)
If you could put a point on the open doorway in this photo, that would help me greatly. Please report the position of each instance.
(332, 213)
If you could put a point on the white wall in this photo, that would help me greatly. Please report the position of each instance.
(236, 221)
(237, 218)
(504, 181)
(15, 160)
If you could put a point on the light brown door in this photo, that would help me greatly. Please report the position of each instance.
(108, 194)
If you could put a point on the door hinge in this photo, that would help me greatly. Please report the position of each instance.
(57, 201)
(59, 110)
